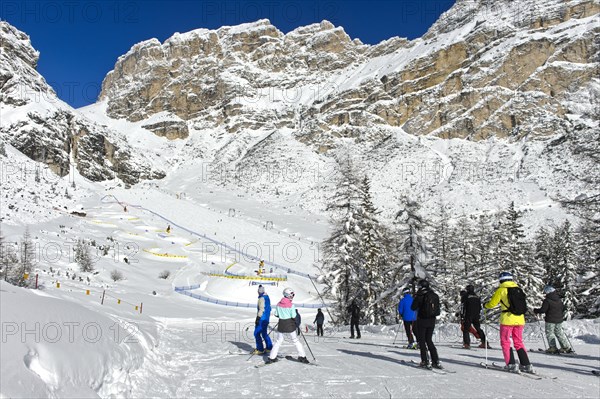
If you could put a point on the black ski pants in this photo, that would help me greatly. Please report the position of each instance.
(408, 327)
(319, 329)
(353, 325)
(425, 329)
(467, 327)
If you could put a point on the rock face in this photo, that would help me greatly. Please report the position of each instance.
(485, 69)
(38, 124)
(508, 85)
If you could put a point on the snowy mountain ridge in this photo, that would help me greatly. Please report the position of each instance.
(482, 109)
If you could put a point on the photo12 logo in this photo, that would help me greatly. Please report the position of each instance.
(70, 12)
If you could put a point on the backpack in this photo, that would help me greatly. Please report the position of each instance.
(430, 306)
(517, 301)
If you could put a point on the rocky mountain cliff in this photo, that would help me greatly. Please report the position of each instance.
(38, 124)
(485, 69)
(497, 101)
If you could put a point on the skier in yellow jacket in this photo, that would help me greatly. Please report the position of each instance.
(511, 326)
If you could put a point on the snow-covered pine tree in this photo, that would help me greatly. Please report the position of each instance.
(588, 253)
(375, 245)
(484, 271)
(443, 265)
(342, 257)
(517, 257)
(83, 257)
(27, 260)
(566, 268)
(8, 260)
(412, 250)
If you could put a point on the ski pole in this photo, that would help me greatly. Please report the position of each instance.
(541, 331)
(487, 338)
(308, 346)
(397, 330)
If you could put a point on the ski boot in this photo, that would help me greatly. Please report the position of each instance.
(437, 365)
(425, 365)
(257, 352)
(566, 350)
(526, 369)
(269, 360)
(553, 350)
(466, 346)
(511, 368)
(303, 359)
(483, 344)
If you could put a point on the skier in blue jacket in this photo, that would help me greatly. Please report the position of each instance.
(408, 316)
(262, 322)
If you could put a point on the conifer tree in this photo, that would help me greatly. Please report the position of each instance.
(566, 268)
(342, 256)
(376, 252)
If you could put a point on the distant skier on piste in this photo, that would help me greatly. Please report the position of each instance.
(320, 320)
(354, 311)
(286, 328)
(553, 307)
(512, 322)
(470, 316)
(408, 317)
(262, 322)
(427, 305)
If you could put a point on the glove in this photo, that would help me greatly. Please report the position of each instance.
(257, 321)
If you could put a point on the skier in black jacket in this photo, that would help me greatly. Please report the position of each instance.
(425, 326)
(319, 319)
(471, 311)
(354, 311)
(553, 308)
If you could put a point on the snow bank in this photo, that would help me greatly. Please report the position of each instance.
(57, 348)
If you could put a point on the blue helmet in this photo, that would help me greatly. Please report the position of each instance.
(504, 276)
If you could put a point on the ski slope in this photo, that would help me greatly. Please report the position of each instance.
(182, 347)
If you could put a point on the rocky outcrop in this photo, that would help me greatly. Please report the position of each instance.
(45, 129)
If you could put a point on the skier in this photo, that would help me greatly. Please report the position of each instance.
(553, 308)
(471, 311)
(169, 229)
(298, 321)
(354, 311)
(461, 314)
(262, 322)
(286, 328)
(511, 326)
(319, 319)
(427, 305)
(408, 317)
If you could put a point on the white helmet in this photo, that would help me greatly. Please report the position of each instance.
(288, 293)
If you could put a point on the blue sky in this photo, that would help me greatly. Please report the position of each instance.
(79, 41)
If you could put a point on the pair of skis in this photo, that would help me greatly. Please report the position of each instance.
(291, 358)
(533, 376)
(414, 364)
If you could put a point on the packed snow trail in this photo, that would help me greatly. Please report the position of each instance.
(202, 357)
(205, 237)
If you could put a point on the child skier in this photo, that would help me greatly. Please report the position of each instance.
(286, 327)
(511, 326)
(262, 322)
(408, 317)
(553, 308)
